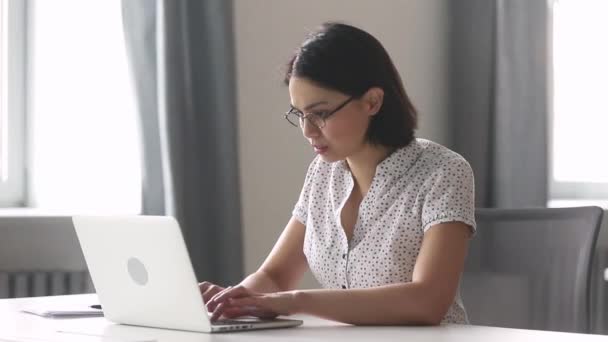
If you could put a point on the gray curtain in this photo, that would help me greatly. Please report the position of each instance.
(182, 60)
(499, 62)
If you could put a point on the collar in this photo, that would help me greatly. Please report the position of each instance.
(400, 161)
(396, 163)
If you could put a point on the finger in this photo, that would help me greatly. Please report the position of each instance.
(202, 287)
(225, 296)
(245, 301)
(219, 310)
(254, 306)
(234, 312)
(211, 291)
(238, 291)
(211, 303)
(226, 309)
(229, 288)
(205, 285)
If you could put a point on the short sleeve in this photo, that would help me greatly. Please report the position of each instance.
(300, 211)
(450, 195)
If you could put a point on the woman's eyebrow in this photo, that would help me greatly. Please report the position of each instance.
(310, 106)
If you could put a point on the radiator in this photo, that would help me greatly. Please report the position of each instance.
(44, 283)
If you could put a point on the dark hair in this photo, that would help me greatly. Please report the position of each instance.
(347, 59)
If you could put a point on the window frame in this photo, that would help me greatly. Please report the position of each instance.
(13, 187)
(565, 190)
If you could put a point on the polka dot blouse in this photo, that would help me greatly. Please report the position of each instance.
(414, 188)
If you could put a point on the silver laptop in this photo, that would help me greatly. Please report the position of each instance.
(143, 275)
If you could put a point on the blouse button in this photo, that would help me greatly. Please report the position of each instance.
(343, 286)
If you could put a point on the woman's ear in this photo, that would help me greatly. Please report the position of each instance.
(373, 99)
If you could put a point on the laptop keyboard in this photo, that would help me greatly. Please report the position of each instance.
(244, 320)
(226, 322)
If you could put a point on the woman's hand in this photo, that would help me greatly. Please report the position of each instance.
(208, 290)
(239, 301)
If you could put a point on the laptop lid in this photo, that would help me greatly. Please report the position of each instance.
(143, 275)
(141, 271)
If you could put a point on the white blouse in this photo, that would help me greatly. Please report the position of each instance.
(414, 188)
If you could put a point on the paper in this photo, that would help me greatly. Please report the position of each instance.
(52, 338)
(58, 337)
(62, 310)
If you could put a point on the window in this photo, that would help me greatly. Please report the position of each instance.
(579, 127)
(3, 91)
(82, 123)
(12, 77)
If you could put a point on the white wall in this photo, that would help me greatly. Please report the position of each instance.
(273, 155)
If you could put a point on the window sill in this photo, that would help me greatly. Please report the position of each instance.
(56, 212)
(30, 212)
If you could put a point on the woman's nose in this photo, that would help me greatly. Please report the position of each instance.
(309, 129)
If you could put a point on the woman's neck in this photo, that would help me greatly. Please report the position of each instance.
(363, 165)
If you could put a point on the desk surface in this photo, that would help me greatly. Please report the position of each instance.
(15, 323)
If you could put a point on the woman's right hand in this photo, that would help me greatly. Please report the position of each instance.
(208, 290)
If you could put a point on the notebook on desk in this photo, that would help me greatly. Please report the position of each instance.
(143, 275)
(63, 310)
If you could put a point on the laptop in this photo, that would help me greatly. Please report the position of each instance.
(143, 276)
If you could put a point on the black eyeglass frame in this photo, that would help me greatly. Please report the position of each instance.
(301, 117)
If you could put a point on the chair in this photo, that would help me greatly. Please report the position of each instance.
(531, 268)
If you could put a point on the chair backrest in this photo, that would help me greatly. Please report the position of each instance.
(531, 268)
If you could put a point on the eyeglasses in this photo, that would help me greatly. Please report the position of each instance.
(296, 117)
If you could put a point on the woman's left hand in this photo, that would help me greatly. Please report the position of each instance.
(239, 301)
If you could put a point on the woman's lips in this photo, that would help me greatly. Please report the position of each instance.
(320, 149)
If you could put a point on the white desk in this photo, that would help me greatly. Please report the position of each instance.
(15, 323)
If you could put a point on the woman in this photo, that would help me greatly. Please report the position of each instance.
(383, 220)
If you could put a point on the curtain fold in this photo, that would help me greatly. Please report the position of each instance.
(139, 20)
(500, 97)
(182, 61)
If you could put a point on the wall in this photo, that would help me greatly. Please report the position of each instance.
(273, 155)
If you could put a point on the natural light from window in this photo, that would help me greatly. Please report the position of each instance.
(580, 113)
(3, 93)
(85, 142)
